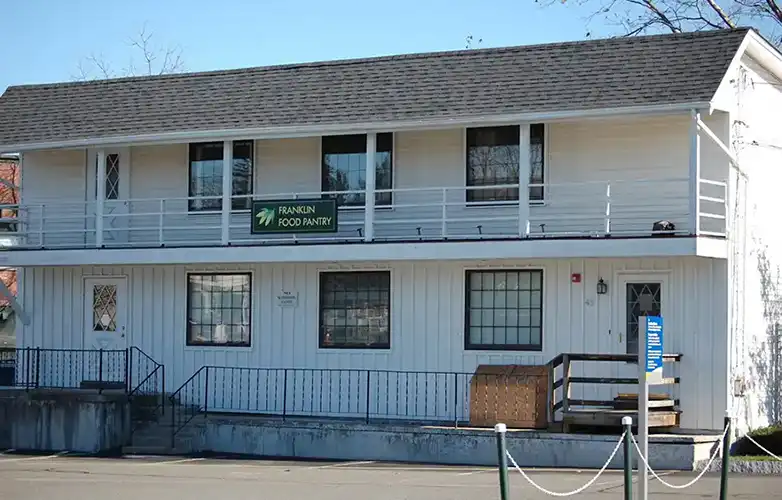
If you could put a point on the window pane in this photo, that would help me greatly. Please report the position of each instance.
(242, 175)
(493, 160)
(359, 316)
(507, 318)
(219, 309)
(344, 168)
(206, 175)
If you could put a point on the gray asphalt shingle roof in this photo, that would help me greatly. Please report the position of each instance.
(609, 73)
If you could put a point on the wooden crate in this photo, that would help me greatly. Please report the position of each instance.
(515, 395)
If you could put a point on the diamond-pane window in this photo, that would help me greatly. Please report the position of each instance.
(104, 308)
(112, 176)
(643, 299)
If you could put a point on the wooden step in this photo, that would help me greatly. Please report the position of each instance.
(613, 418)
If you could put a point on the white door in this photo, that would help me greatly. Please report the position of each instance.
(637, 294)
(117, 189)
(105, 316)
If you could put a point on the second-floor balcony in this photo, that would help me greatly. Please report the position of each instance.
(598, 209)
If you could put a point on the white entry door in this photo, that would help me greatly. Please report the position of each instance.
(117, 189)
(638, 295)
(105, 313)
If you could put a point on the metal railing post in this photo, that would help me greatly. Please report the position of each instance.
(725, 458)
(444, 222)
(206, 392)
(608, 209)
(502, 459)
(161, 218)
(284, 392)
(128, 374)
(163, 391)
(100, 370)
(37, 367)
(369, 375)
(627, 423)
(456, 400)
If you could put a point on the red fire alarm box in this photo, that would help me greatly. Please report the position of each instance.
(575, 278)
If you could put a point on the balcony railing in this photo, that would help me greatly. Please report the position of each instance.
(585, 209)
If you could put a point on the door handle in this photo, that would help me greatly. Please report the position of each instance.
(620, 337)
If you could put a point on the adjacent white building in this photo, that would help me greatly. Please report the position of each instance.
(494, 206)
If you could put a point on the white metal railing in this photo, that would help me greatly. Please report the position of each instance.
(580, 209)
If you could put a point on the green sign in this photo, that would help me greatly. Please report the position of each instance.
(294, 216)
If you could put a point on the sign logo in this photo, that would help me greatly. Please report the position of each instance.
(654, 346)
(294, 216)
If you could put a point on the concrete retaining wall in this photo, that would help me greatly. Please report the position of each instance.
(64, 420)
(353, 441)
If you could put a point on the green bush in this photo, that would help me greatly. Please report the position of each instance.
(768, 437)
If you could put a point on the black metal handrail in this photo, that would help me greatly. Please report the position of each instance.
(147, 378)
(44, 368)
(359, 394)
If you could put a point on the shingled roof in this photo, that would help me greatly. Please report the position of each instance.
(597, 74)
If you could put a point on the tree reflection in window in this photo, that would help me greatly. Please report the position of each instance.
(344, 168)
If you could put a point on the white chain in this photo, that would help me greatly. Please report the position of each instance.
(574, 492)
(679, 486)
(761, 447)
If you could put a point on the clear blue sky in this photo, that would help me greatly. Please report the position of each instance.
(44, 40)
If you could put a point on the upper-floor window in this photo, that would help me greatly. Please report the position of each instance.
(493, 160)
(344, 167)
(206, 175)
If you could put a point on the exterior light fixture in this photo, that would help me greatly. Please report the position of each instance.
(602, 287)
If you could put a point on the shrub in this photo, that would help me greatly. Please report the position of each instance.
(768, 437)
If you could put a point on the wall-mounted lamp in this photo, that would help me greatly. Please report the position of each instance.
(602, 287)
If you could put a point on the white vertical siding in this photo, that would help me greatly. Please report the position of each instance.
(427, 321)
(758, 145)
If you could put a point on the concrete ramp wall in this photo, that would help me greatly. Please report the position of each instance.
(63, 420)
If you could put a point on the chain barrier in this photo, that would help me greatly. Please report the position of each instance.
(574, 492)
(762, 448)
(680, 486)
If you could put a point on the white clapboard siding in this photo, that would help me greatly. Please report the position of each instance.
(427, 322)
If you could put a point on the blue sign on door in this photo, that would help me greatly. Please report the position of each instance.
(654, 344)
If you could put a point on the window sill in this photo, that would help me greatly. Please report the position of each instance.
(381, 348)
(495, 204)
(218, 347)
(504, 348)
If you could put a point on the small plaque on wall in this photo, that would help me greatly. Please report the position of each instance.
(288, 299)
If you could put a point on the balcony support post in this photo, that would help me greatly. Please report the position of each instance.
(228, 167)
(369, 189)
(100, 195)
(695, 172)
(524, 176)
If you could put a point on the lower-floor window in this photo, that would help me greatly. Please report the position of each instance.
(355, 309)
(504, 310)
(218, 309)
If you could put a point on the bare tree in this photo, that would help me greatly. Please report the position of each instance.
(150, 59)
(635, 17)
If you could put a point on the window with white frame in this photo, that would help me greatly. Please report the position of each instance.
(355, 309)
(504, 310)
(344, 168)
(493, 160)
(206, 175)
(219, 309)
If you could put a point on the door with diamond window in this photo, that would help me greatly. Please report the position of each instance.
(117, 192)
(638, 295)
(105, 313)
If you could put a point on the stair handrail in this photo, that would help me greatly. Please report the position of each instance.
(174, 399)
(157, 368)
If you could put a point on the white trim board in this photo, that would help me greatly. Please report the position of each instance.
(361, 252)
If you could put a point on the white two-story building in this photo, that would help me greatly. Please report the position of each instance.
(416, 213)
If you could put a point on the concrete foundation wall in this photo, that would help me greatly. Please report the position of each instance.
(63, 421)
(435, 445)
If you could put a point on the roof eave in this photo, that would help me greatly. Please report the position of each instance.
(350, 128)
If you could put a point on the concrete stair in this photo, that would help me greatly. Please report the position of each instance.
(152, 430)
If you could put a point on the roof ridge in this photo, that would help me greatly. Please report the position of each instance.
(384, 58)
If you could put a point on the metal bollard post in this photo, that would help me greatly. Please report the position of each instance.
(627, 423)
(500, 430)
(725, 459)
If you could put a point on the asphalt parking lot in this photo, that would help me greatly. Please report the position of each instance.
(72, 478)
